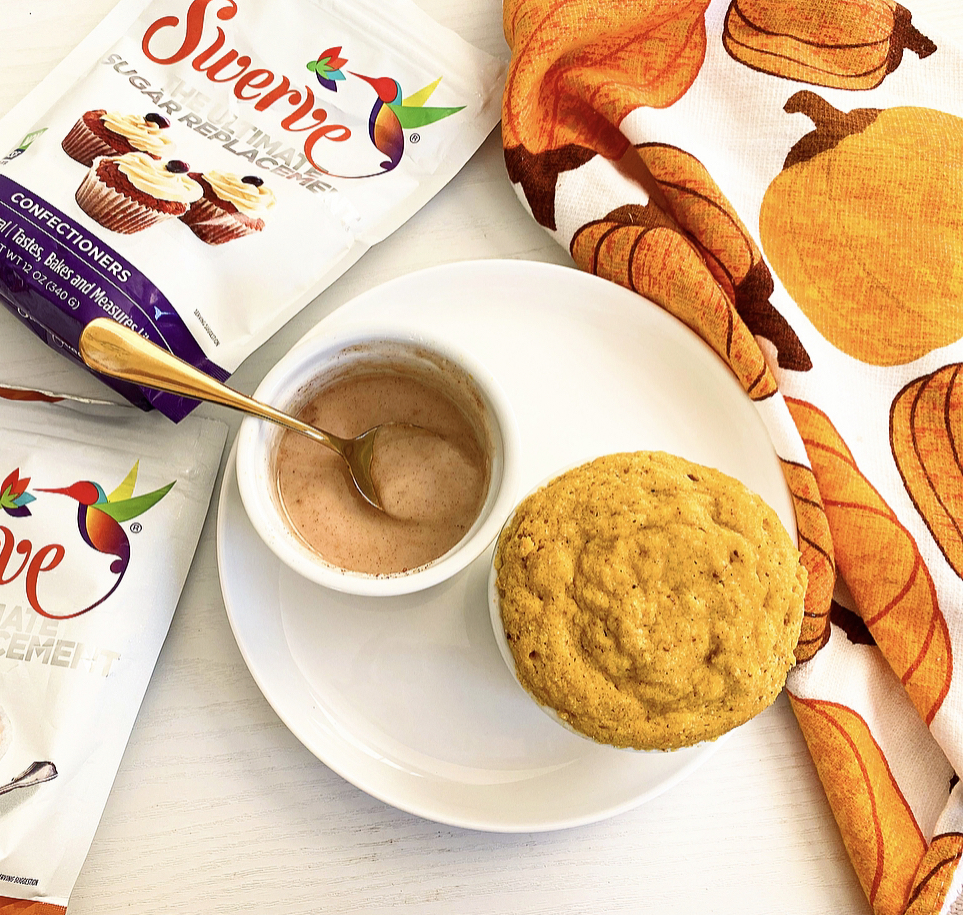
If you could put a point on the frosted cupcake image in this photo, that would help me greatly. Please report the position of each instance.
(131, 192)
(109, 133)
(231, 206)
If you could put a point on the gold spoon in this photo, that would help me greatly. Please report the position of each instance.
(115, 350)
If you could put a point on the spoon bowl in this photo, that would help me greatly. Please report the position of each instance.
(335, 351)
(112, 349)
(35, 774)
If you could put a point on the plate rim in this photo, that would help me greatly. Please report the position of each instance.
(436, 813)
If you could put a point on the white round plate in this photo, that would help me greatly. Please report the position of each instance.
(407, 697)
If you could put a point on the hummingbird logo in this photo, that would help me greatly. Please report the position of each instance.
(392, 112)
(391, 115)
(99, 519)
(327, 68)
(14, 497)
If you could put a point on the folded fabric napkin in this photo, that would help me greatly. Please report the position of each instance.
(787, 179)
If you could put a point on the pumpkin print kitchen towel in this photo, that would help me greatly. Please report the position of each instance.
(787, 179)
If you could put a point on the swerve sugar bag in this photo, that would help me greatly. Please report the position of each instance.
(201, 169)
(100, 511)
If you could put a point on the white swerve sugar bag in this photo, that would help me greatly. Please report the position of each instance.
(100, 511)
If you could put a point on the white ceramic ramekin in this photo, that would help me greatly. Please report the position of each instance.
(290, 384)
(498, 627)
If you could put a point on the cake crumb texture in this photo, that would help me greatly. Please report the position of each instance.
(651, 602)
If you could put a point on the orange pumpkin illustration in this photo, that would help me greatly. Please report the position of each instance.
(699, 207)
(840, 44)
(687, 250)
(886, 291)
(880, 561)
(934, 876)
(926, 437)
(641, 248)
(816, 548)
(877, 825)
(577, 70)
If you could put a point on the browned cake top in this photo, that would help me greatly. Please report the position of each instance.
(651, 602)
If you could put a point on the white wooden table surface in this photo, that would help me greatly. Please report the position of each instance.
(218, 808)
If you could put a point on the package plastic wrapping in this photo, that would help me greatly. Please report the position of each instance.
(101, 507)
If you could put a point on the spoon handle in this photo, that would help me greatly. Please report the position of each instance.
(112, 349)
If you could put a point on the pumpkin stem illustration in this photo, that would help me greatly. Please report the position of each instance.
(753, 306)
(832, 125)
(538, 173)
(906, 37)
(851, 624)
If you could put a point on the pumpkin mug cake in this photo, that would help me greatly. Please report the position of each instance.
(647, 601)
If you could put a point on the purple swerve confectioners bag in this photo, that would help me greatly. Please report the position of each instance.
(200, 170)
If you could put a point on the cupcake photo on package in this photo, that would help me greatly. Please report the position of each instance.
(132, 192)
(109, 133)
(231, 206)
